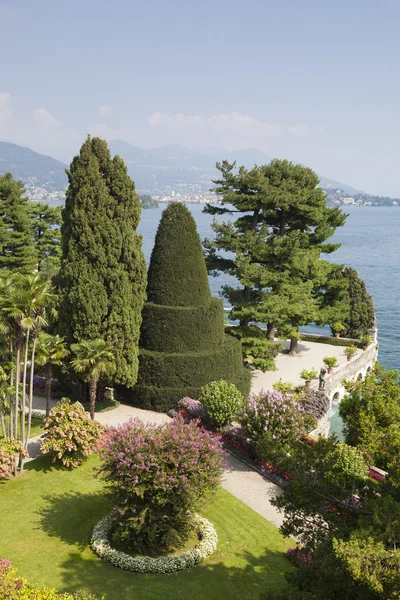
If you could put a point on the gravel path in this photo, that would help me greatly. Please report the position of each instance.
(239, 479)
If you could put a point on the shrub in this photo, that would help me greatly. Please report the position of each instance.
(14, 587)
(338, 327)
(194, 407)
(308, 375)
(258, 351)
(285, 387)
(155, 475)
(70, 435)
(330, 361)
(350, 351)
(273, 416)
(313, 402)
(221, 401)
(10, 449)
(182, 344)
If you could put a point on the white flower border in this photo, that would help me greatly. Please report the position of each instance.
(100, 544)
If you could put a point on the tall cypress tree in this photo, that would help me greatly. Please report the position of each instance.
(183, 344)
(17, 251)
(102, 278)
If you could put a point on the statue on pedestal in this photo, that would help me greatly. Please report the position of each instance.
(322, 375)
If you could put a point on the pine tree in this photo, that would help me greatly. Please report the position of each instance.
(102, 277)
(183, 344)
(17, 251)
(46, 222)
(276, 242)
(361, 313)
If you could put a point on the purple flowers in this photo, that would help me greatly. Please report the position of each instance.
(194, 408)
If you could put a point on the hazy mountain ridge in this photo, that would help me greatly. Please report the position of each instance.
(156, 171)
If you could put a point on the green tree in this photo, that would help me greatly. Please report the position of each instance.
(46, 223)
(183, 344)
(102, 278)
(93, 358)
(17, 251)
(51, 351)
(361, 314)
(276, 243)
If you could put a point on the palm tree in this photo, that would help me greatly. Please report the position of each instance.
(4, 389)
(51, 350)
(94, 358)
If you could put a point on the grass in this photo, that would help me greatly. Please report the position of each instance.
(47, 532)
(36, 427)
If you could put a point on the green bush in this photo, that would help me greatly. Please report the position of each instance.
(221, 401)
(257, 350)
(285, 387)
(70, 435)
(9, 452)
(183, 345)
(350, 351)
(330, 361)
(308, 375)
(182, 328)
(322, 339)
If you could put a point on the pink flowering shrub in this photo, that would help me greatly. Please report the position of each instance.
(10, 449)
(70, 435)
(193, 407)
(299, 556)
(156, 476)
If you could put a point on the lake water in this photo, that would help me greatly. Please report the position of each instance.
(370, 244)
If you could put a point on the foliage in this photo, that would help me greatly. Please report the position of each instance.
(258, 351)
(313, 402)
(371, 416)
(338, 327)
(308, 375)
(46, 223)
(10, 449)
(193, 407)
(322, 339)
(284, 387)
(183, 344)
(155, 475)
(70, 436)
(102, 277)
(366, 340)
(330, 361)
(17, 252)
(350, 351)
(207, 544)
(148, 201)
(361, 309)
(51, 350)
(276, 242)
(14, 587)
(273, 416)
(222, 401)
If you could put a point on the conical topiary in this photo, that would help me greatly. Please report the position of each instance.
(183, 344)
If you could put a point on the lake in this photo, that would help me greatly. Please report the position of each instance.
(370, 243)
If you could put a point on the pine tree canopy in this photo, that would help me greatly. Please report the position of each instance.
(281, 229)
(102, 278)
(17, 251)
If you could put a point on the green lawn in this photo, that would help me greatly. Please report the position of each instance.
(36, 427)
(48, 517)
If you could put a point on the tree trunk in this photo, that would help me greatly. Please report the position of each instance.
(3, 425)
(271, 332)
(93, 388)
(11, 423)
(17, 378)
(293, 346)
(31, 390)
(48, 388)
(23, 402)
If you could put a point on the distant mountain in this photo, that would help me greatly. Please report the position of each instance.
(32, 167)
(157, 171)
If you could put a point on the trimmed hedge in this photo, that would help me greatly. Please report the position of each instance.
(183, 342)
(177, 272)
(332, 341)
(183, 328)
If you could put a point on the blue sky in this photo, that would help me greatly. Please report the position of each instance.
(314, 81)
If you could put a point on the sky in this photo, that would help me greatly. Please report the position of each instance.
(314, 81)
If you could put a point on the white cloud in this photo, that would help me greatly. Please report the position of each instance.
(105, 109)
(228, 124)
(5, 107)
(45, 119)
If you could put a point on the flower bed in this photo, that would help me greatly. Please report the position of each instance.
(100, 544)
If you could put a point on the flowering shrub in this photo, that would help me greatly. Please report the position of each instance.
(14, 587)
(273, 416)
(193, 407)
(9, 451)
(100, 544)
(70, 436)
(221, 401)
(39, 382)
(155, 475)
(299, 556)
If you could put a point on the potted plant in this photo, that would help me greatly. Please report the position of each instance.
(330, 362)
(285, 387)
(350, 351)
(366, 340)
(337, 328)
(308, 376)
